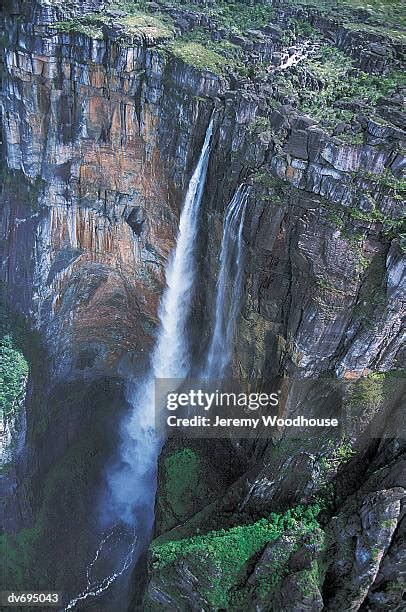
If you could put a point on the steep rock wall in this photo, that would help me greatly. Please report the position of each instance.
(100, 140)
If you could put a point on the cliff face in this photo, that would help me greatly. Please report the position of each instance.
(102, 123)
(83, 121)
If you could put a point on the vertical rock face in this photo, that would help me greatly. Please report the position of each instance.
(99, 136)
(83, 122)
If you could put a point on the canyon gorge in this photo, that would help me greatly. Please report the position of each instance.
(202, 187)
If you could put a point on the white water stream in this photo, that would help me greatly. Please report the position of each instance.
(229, 286)
(132, 482)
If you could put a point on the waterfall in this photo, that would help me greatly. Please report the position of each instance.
(132, 482)
(228, 299)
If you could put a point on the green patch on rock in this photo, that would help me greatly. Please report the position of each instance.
(18, 557)
(182, 480)
(337, 454)
(135, 25)
(225, 555)
(88, 25)
(331, 78)
(368, 390)
(375, 388)
(275, 190)
(14, 366)
(230, 54)
(13, 376)
(23, 190)
(197, 55)
(147, 26)
(384, 17)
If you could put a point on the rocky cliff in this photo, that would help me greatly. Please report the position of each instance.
(104, 110)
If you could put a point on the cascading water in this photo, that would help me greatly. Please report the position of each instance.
(231, 273)
(132, 483)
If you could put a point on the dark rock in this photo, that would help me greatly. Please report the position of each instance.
(136, 220)
(341, 128)
(297, 144)
(352, 105)
(379, 49)
(398, 165)
(278, 120)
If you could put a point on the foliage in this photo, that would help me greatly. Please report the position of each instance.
(17, 554)
(14, 338)
(88, 25)
(24, 190)
(13, 374)
(182, 475)
(237, 543)
(374, 389)
(228, 552)
(328, 77)
(338, 453)
(368, 390)
(277, 190)
(385, 17)
(135, 24)
(239, 16)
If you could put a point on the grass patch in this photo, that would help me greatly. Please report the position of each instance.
(374, 389)
(238, 16)
(199, 56)
(149, 26)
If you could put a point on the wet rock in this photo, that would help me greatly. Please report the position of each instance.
(136, 220)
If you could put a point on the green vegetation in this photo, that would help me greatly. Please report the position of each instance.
(309, 581)
(239, 16)
(333, 78)
(234, 15)
(338, 453)
(17, 554)
(13, 375)
(397, 186)
(374, 389)
(88, 25)
(146, 25)
(277, 190)
(261, 124)
(368, 391)
(226, 553)
(182, 475)
(197, 49)
(385, 17)
(13, 364)
(372, 187)
(22, 189)
(134, 25)
(197, 55)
